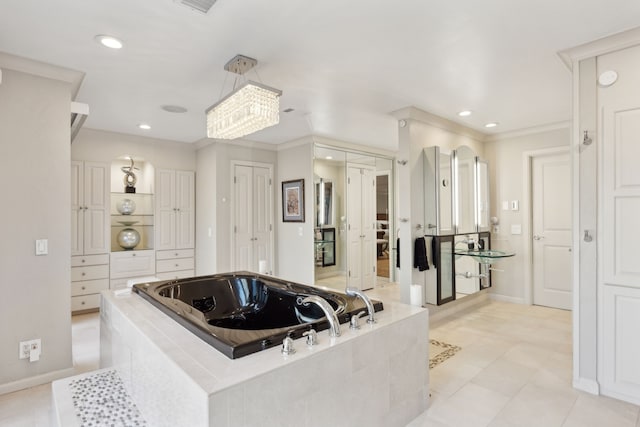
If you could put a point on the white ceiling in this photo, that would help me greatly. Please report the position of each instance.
(343, 65)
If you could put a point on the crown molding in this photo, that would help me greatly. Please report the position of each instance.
(601, 46)
(413, 113)
(529, 131)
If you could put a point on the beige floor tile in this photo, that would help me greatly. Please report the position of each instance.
(537, 406)
(504, 376)
(596, 411)
(472, 405)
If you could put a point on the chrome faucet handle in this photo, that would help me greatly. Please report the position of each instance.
(287, 346)
(312, 337)
(353, 292)
(353, 323)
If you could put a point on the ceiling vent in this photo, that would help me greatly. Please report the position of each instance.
(79, 113)
(199, 5)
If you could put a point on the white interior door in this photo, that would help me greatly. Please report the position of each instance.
(361, 227)
(262, 196)
(253, 219)
(77, 208)
(551, 214)
(354, 228)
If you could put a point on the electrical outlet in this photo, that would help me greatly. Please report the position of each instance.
(25, 349)
(31, 349)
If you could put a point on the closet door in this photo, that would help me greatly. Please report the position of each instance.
(252, 213)
(262, 196)
(243, 217)
(77, 208)
(361, 230)
(354, 228)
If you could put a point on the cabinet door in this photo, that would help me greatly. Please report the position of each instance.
(185, 204)
(96, 208)
(165, 209)
(77, 208)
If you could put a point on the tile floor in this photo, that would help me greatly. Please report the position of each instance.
(514, 369)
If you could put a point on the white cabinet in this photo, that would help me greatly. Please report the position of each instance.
(175, 264)
(89, 233)
(175, 209)
(89, 208)
(175, 223)
(127, 265)
(89, 276)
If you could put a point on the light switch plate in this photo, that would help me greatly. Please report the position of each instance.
(505, 205)
(515, 205)
(42, 247)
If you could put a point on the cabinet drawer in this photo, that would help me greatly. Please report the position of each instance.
(89, 287)
(178, 253)
(132, 264)
(85, 302)
(90, 272)
(172, 275)
(79, 261)
(174, 265)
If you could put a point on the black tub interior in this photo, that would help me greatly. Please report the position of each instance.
(245, 303)
(242, 313)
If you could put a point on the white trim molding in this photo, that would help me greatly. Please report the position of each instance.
(36, 380)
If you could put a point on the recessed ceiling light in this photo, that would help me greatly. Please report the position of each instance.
(491, 125)
(144, 126)
(108, 41)
(464, 113)
(328, 157)
(174, 109)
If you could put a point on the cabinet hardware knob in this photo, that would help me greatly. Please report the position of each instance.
(133, 254)
(84, 274)
(84, 260)
(176, 253)
(177, 265)
(83, 288)
(82, 303)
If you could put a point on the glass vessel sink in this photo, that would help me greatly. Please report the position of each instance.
(488, 256)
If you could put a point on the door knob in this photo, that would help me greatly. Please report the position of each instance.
(587, 236)
(537, 237)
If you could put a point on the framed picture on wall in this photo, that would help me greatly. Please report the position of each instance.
(293, 201)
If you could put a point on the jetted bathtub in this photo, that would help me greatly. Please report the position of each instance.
(242, 313)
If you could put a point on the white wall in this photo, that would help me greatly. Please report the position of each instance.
(35, 172)
(505, 157)
(103, 146)
(295, 239)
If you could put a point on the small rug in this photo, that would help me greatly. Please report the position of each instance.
(440, 351)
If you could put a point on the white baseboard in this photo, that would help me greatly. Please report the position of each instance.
(35, 381)
(505, 298)
(587, 385)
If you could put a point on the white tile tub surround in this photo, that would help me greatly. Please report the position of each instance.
(375, 376)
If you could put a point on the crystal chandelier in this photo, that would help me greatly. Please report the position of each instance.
(247, 109)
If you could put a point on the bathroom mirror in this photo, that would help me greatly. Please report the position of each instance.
(438, 187)
(464, 168)
(482, 206)
(324, 202)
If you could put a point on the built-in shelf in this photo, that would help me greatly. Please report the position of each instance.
(141, 219)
